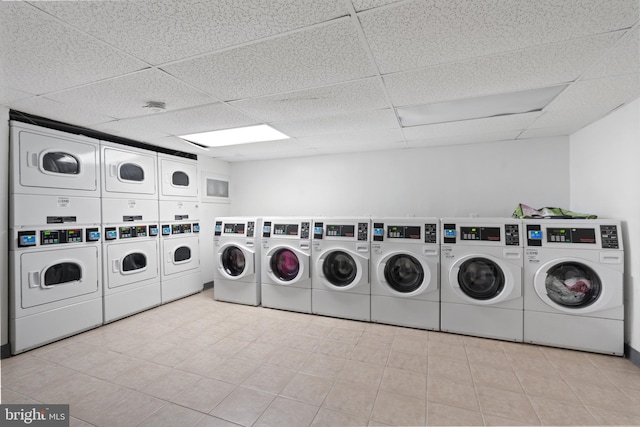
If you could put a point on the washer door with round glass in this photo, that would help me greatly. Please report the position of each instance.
(578, 286)
(405, 275)
(343, 270)
(287, 265)
(235, 262)
(484, 280)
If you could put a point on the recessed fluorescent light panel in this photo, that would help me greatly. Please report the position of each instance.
(244, 135)
(525, 101)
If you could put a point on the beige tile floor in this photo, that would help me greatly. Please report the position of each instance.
(199, 362)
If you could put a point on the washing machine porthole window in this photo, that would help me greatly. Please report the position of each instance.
(59, 162)
(64, 272)
(404, 273)
(180, 179)
(573, 285)
(340, 268)
(183, 253)
(134, 261)
(233, 261)
(131, 172)
(481, 278)
(285, 264)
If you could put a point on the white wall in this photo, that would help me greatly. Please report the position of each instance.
(604, 180)
(489, 179)
(208, 211)
(4, 224)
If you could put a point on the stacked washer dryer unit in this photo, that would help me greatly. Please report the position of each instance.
(481, 278)
(179, 227)
(573, 284)
(340, 285)
(55, 284)
(286, 262)
(130, 246)
(237, 251)
(405, 272)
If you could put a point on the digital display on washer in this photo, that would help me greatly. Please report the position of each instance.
(403, 232)
(571, 235)
(450, 232)
(285, 229)
(26, 238)
(234, 228)
(341, 230)
(480, 233)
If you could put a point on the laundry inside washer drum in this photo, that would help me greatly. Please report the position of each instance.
(340, 268)
(233, 261)
(572, 285)
(285, 264)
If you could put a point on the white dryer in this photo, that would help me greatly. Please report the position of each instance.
(178, 177)
(340, 285)
(481, 277)
(573, 284)
(286, 262)
(128, 172)
(180, 270)
(131, 270)
(45, 161)
(405, 272)
(55, 284)
(238, 263)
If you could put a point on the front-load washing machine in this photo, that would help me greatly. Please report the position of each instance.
(131, 270)
(238, 265)
(55, 284)
(286, 262)
(481, 277)
(178, 177)
(405, 272)
(45, 161)
(128, 172)
(180, 272)
(573, 284)
(340, 285)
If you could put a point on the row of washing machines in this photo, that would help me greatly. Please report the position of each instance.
(550, 282)
(99, 231)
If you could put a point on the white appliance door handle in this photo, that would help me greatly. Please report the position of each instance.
(113, 169)
(268, 260)
(115, 267)
(34, 279)
(32, 159)
(169, 257)
(381, 272)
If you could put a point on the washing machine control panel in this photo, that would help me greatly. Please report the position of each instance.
(54, 237)
(571, 235)
(26, 239)
(534, 235)
(181, 228)
(92, 234)
(431, 233)
(217, 229)
(153, 230)
(363, 231)
(609, 237)
(305, 228)
(251, 228)
(318, 229)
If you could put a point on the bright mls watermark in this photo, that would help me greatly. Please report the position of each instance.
(34, 415)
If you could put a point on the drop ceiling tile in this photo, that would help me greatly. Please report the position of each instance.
(507, 72)
(465, 139)
(125, 96)
(471, 127)
(361, 5)
(332, 100)
(349, 147)
(131, 129)
(359, 121)
(319, 56)
(624, 58)
(586, 101)
(177, 144)
(8, 95)
(72, 114)
(423, 33)
(363, 139)
(39, 55)
(165, 30)
(192, 120)
(547, 132)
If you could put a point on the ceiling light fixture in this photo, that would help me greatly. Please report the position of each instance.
(243, 135)
(525, 101)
